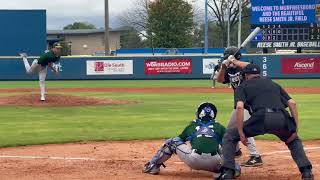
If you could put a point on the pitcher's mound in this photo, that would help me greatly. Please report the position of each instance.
(57, 100)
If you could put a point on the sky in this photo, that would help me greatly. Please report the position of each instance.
(63, 12)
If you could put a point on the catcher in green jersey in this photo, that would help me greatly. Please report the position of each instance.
(205, 136)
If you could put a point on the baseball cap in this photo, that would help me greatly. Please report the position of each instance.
(251, 69)
(57, 45)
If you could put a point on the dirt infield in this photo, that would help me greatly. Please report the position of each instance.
(57, 100)
(124, 160)
(153, 90)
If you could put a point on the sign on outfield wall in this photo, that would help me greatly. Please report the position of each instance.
(307, 65)
(168, 66)
(286, 23)
(109, 67)
(209, 64)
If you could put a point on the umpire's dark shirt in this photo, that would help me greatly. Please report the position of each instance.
(261, 93)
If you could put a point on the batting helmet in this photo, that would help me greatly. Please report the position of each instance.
(232, 50)
(206, 109)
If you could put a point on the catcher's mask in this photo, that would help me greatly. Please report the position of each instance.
(206, 109)
(232, 50)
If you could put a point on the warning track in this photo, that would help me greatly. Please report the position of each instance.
(154, 90)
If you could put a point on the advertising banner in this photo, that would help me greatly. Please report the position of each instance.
(286, 23)
(300, 65)
(283, 11)
(168, 66)
(109, 67)
(209, 64)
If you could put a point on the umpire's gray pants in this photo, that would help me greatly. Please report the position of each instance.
(205, 162)
(251, 143)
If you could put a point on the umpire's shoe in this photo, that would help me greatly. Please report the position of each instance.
(254, 161)
(307, 175)
(227, 174)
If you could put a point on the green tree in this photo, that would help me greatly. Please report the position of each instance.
(215, 39)
(137, 16)
(80, 25)
(219, 11)
(131, 39)
(215, 32)
(170, 24)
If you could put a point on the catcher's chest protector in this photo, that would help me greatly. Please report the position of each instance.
(204, 129)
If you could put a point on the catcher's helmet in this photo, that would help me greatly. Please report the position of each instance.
(232, 50)
(206, 109)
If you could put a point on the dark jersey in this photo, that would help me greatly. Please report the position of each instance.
(203, 144)
(47, 58)
(261, 93)
(235, 77)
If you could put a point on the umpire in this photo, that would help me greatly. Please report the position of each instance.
(268, 101)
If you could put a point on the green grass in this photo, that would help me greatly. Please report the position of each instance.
(143, 83)
(156, 116)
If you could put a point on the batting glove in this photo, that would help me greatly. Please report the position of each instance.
(226, 62)
(231, 58)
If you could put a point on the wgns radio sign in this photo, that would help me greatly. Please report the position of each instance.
(168, 66)
(110, 67)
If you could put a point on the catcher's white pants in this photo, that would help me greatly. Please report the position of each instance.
(37, 68)
(251, 142)
(205, 162)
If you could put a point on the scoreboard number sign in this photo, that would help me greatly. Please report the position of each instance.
(286, 23)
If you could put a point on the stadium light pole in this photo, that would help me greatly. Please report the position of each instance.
(228, 23)
(239, 23)
(206, 28)
(106, 28)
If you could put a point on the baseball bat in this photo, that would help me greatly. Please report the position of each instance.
(249, 38)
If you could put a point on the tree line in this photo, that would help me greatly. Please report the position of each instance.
(179, 23)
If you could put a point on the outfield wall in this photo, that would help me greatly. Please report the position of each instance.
(162, 67)
(22, 31)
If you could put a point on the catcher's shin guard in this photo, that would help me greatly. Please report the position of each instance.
(163, 154)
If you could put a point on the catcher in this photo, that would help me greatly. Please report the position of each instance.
(205, 136)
